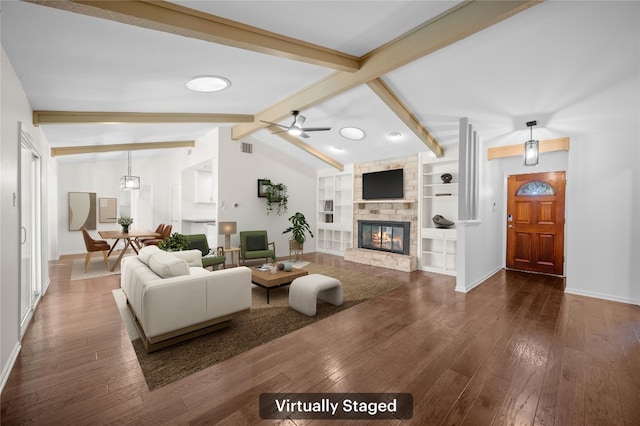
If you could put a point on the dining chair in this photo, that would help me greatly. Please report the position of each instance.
(93, 246)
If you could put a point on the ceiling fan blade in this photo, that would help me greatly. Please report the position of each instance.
(275, 124)
(316, 129)
(304, 135)
(298, 121)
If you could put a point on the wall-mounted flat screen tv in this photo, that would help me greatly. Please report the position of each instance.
(386, 184)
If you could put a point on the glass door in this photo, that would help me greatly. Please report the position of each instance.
(30, 243)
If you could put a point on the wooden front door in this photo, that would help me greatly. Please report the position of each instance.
(535, 222)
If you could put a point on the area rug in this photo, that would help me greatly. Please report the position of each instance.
(96, 269)
(261, 324)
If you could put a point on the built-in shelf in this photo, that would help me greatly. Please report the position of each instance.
(438, 247)
(335, 212)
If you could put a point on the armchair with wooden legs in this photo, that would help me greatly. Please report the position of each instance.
(93, 246)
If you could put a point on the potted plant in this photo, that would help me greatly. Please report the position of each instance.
(298, 228)
(125, 221)
(277, 198)
(274, 264)
(176, 242)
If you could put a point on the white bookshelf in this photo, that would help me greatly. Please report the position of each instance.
(335, 212)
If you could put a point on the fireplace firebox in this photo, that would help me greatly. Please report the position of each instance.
(384, 236)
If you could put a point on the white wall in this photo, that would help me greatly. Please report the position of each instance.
(15, 109)
(239, 173)
(603, 248)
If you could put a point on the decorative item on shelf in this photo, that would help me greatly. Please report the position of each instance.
(227, 229)
(442, 222)
(176, 242)
(446, 177)
(280, 266)
(287, 266)
(277, 198)
(298, 228)
(125, 222)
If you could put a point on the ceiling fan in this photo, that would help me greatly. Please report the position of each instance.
(296, 128)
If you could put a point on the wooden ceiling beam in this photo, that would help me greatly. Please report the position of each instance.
(90, 149)
(517, 150)
(175, 19)
(455, 24)
(78, 117)
(306, 147)
(383, 91)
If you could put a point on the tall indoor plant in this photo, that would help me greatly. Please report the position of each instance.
(299, 227)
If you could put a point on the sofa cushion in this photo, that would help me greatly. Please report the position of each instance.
(256, 242)
(193, 257)
(167, 265)
(145, 253)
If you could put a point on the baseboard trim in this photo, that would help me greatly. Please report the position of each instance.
(610, 297)
(6, 371)
(468, 288)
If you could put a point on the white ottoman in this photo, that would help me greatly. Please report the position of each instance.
(305, 290)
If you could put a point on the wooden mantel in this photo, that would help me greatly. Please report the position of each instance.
(550, 145)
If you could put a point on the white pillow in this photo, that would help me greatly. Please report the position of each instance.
(145, 253)
(193, 257)
(167, 265)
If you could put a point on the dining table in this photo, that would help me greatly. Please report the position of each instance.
(129, 239)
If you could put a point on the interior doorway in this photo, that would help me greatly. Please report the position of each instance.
(535, 222)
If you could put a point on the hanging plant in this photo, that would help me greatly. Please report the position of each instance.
(277, 198)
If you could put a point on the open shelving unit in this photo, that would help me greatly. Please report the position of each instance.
(438, 246)
(335, 212)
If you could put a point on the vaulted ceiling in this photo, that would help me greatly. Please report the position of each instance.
(413, 67)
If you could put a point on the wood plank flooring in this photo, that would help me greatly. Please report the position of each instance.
(514, 351)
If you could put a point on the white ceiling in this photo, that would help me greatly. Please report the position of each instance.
(529, 67)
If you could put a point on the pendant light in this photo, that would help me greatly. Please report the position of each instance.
(128, 182)
(531, 147)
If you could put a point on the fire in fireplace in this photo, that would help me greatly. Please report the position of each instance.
(384, 236)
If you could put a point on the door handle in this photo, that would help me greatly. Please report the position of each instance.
(510, 226)
(24, 233)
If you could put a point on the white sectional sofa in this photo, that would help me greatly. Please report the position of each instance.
(173, 298)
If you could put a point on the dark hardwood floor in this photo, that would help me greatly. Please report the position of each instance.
(514, 351)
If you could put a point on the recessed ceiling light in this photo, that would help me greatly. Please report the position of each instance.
(207, 83)
(394, 136)
(352, 133)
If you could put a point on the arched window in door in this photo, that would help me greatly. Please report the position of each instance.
(536, 188)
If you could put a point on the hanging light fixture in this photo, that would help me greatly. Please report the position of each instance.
(129, 182)
(531, 147)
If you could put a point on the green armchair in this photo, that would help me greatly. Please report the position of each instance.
(214, 258)
(255, 245)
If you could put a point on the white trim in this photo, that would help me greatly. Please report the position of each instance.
(597, 295)
(471, 286)
(474, 222)
(9, 365)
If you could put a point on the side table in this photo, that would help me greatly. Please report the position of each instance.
(235, 254)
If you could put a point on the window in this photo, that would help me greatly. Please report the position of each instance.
(536, 188)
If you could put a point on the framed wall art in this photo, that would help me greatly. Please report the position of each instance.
(262, 187)
(82, 210)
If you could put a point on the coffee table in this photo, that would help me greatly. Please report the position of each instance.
(267, 280)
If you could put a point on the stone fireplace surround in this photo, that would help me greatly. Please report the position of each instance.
(405, 210)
